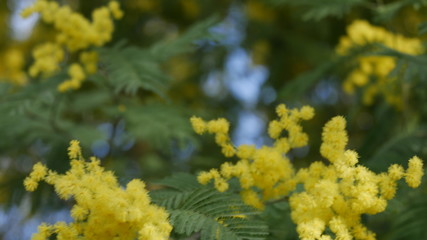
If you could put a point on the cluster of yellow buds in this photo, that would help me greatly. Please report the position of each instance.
(103, 209)
(373, 72)
(335, 195)
(47, 57)
(266, 169)
(75, 33)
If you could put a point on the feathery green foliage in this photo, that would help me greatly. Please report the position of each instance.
(131, 68)
(198, 209)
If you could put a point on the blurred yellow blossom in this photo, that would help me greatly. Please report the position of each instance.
(260, 52)
(414, 173)
(47, 58)
(372, 72)
(190, 8)
(89, 60)
(38, 173)
(12, 67)
(75, 33)
(257, 10)
(102, 209)
(334, 195)
(75, 71)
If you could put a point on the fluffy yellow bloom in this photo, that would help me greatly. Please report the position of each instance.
(103, 209)
(47, 58)
(218, 126)
(414, 172)
(373, 72)
(198, 124)
(38, 173)
(311, 229)
(340, 193)
(340, 229)
(114, 7)
(74, 150)
(266, 169)
(334, 139)
(334, 196)
(245, 151)
(396, 171)
(77, 77)
(252, 198)
(44, 231)
(75, 33)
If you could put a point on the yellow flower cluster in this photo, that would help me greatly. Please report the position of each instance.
(75, 33)
(266, 169)
(373, 72)
(12, 66)
(47, 57)
(103, 209)
(335, 195)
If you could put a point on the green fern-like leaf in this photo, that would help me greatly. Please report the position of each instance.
(200, 209)
(411, 218)
(159, 124)
(184, 43)
(132, 68)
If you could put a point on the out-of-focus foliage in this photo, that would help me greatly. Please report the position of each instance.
(168, 60)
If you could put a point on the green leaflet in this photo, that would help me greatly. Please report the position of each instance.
(199, 209)
(132, 68)
(159, 123)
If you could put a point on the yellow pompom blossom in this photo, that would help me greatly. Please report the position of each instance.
(264, 173)
(103, 209)
(334, 195)
(77, 76)
(12, 67)
(39, 172)
(47, 57)
(373, 72)
(414, 173)
(75, 33)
